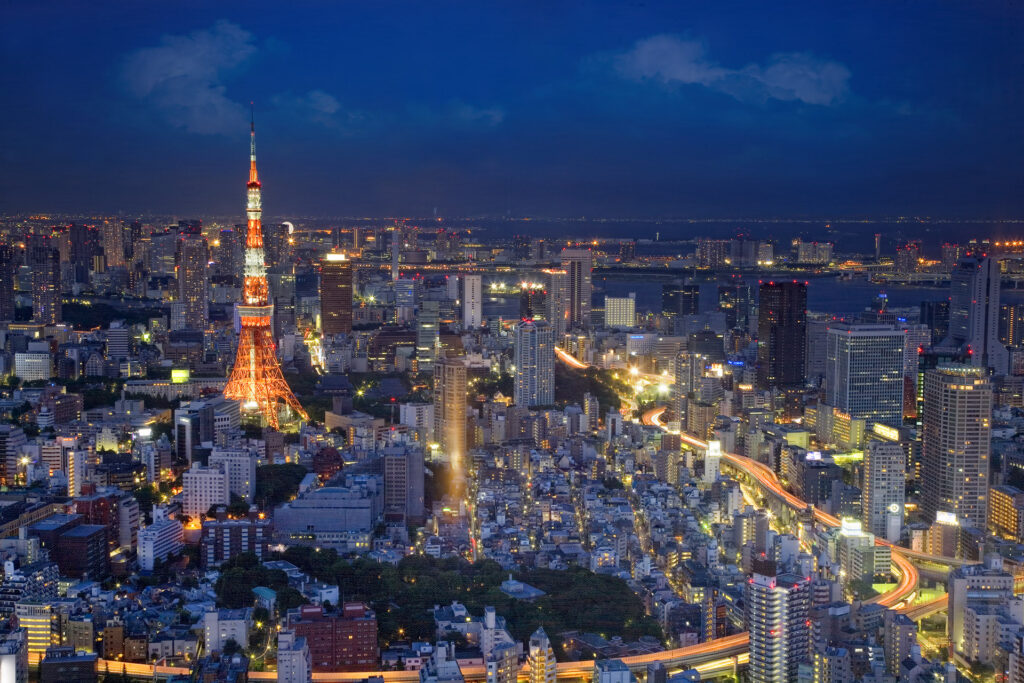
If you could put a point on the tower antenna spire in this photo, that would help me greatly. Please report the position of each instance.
(252, 132)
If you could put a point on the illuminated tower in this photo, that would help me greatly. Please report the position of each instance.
(256, 379)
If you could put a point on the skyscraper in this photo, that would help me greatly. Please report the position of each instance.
(535, 364)
(882, 495)
(956, 441)
(450, 410)
(678, 299)
(7, 269)
(781, 335)
(734, 301)
(428, 335)
(777, 607)
(578, 264)
(44, 259)
(336, 294)
(974, 314)
(557, 281)
(864, 371)
(620, 311)
(113, 243)
(472, 301)
(193, 259)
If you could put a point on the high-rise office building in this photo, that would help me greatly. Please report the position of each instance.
(956, 441)
(777, 607)
(781, 335)
(428, 335)
(557, 304)
(620, 311)
(450, 410)
(935, 314)
(882, 495)
(336, 294)
(864, 371)
(535, 364)
(734, 301)
(8, 267)
(192, 262)
(472, 301)
(44, 259)
(974, 314)
(678, 299)
(1011, 325)
(532, 300)
(578, 263)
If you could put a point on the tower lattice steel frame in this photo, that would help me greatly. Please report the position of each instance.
(256, 378)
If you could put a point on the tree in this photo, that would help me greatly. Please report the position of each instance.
(231, 647)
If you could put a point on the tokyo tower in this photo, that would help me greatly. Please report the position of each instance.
(257, 380)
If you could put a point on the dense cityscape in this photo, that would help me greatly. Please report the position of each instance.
(505, 446)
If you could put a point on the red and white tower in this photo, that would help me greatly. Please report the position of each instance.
(256, 379)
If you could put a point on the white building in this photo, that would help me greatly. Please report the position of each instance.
(620, 311)
(864, 371)
(220, 626)
(203, 487)
(883, 494)
(472, 301)
(159, 540)
(294, 664)
(240, 466)
(30, 367)
(535, 364)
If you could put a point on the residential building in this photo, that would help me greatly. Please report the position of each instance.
(339, 640)
(883, 491)
(578, 264)
(776, 615)
(202, 488)
(535, 364)
(294, 663)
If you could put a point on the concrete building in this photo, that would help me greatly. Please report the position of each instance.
(341, 640)
(620, 311)
(956, 442)
(776, 610)
(192, 266)
(543, 667)
(884, 489)
(974, 314)
(159, 540)
(294, 663)
(220, 626)
(535, 364)
(450, 409)
(976, 586)
(240, 466)
(202, 488)
(781, 335)
(472, 300)
(336, 295)
(578, 264)
(864, 371)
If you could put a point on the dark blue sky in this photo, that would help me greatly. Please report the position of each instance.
(626, 108)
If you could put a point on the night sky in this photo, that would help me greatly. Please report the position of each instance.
(695, 109)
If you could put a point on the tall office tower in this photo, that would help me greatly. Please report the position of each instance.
(781, 335)
(864, 371)
(878, 246)
(532, 300)
(336, 294)
(535, 364)
(193, 259)
(428, 335)
(620, 311)
(256, 379)
(44, 260)
(951, 255)
(403, 483)
(450, 410)
(678, 299)
(1011, 325)
(396, 254)
(281, 287)
(777, 607)
(974, 314)
(578, 263)
(472, 301)
(882, 493)
(113, 243)
(734, 301)
(278, 247)
(956, 440)
(935, 314)
(7, 269)
(543, 667)
(133, 237)
(557, 281)
(627, 251)
(84, 241)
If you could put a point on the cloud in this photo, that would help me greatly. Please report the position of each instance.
(468, 113)
(182, 77)
(792, 76)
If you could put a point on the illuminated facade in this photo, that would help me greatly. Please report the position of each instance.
(956, 443)
(257, 380)
(336, 295)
